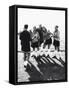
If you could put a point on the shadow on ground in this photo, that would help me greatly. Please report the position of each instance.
(48, 70)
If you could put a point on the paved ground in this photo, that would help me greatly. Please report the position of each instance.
(41, 66)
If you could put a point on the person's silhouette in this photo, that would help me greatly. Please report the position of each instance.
(56, 42)
(25, 44)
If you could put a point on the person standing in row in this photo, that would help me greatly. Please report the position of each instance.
(48, 39)
(35, 39)
(41, 34)
(25, 44)
(56, 42)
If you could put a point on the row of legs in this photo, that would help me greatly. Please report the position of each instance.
(49, 45)
(27, 54)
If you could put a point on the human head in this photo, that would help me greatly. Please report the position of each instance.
(26, 26)
(34, 28)
(44, 28)
(48, 31)
(40, 26)
(30, 31)
(56, 27)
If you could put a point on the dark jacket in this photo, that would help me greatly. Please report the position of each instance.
(25, 41)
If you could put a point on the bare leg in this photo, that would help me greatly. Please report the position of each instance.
(44, 46)
(24, 56)
(55, 47)
(33, 49)
(49, 46)
(28, 56)
(58, 49)
(38, 48)
(25, 60)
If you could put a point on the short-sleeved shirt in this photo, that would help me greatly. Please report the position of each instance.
(48, 35)
(57, 35)
(35, 37)
(25, 41)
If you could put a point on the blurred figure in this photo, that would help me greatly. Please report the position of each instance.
(25, 44)
(44, 29)
(48, 40)
(41, 34)
(34, 28)
(44, 33)
(35, 39)
(56, 42)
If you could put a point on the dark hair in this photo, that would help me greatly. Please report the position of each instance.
(56, 26)
(26, 26)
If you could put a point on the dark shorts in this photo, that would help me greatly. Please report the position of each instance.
(48, 41)
(25, 49)
(34, 44)
(56, 43)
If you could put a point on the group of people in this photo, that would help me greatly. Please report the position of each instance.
(36, 38)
